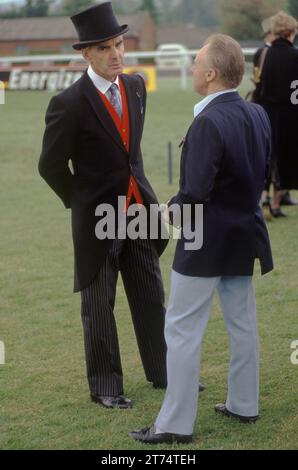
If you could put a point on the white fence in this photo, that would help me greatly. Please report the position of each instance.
(131, 58)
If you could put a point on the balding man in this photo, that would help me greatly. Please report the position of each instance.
(223, 167)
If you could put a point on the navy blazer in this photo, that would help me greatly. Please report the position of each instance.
(224, 164)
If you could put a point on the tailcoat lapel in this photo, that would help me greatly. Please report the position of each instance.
(101, 112)
(135, 110)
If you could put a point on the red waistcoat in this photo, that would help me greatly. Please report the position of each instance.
(123, 128)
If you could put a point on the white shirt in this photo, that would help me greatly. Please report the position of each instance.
(199, 107)
(101, 83)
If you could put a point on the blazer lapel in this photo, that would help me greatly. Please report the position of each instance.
(101, 112)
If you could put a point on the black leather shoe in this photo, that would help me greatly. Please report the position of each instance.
(148, 436)
(221, 408)
(112, 402)
(162, 385)
(277, 213)
(286, 200)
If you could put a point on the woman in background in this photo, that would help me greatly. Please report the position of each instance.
(279, 74)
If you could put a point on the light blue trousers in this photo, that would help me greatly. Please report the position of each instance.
(186, 320)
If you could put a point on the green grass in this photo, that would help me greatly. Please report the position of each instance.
(44, 394)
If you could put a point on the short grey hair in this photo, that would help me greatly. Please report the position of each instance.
(226, 57)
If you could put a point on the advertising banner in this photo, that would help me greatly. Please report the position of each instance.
(54, 78)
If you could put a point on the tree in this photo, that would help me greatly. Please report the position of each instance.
(242, 18)
(149, 5)
(121, 7)
(293, 8)
(32, 8)
(11, 13)
(71, 7)
(35, 8)
(199, 12)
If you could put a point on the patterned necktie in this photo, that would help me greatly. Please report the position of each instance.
(115, 99)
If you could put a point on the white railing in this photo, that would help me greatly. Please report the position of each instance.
(46, 59)
(78, 57)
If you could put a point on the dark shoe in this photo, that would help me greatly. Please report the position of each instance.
(112, 402)
(221, 408)
(162, 385)
(286, 200)
(148, 436)
(277, 213)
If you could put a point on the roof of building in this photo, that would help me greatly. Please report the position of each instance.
(56, 27)
(187, 34)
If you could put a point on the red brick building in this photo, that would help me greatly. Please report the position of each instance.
(55, 35)
(187, 34)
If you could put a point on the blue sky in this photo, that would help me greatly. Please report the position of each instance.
(11, 1)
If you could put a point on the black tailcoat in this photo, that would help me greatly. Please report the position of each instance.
(79, 128)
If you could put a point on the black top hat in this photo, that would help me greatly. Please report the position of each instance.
(96, 24)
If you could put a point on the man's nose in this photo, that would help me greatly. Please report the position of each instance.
(114, 53)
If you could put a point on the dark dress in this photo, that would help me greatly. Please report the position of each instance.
(279, 73)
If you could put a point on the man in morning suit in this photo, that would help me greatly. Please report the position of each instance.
(223, 166)
(97, 123)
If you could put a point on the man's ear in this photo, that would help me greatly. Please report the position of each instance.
(85, 53)
(210, 75)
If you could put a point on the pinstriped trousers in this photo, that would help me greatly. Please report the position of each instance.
(138, 263)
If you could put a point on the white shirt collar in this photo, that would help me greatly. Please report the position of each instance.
(99, 82)
(199, 107)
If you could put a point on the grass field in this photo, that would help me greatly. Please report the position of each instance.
(43, 393)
